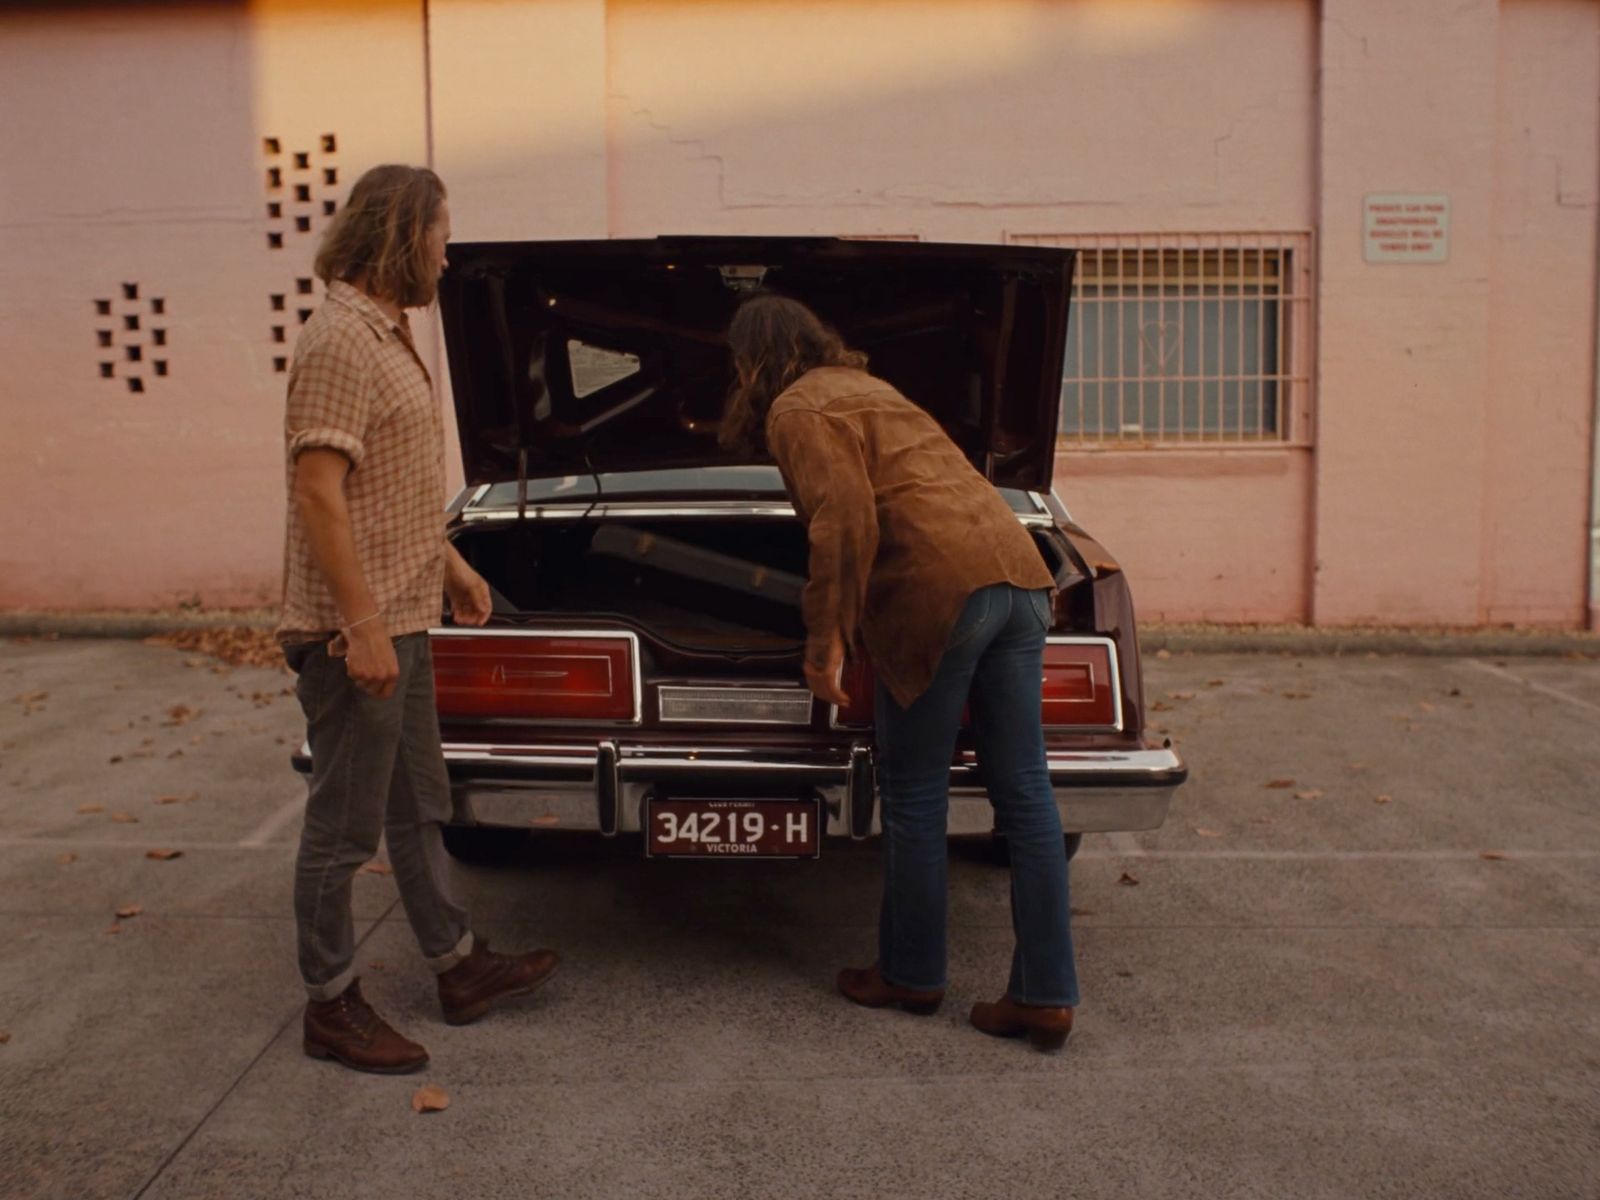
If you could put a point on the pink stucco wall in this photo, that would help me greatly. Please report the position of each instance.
(1446, 479)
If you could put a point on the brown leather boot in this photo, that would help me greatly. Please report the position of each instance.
(865, 986)
(1045, 1027)
(347, 1030)
(483, 979)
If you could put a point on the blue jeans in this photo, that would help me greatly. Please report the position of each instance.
(995, 658)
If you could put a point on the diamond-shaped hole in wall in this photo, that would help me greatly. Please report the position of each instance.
(136, 384)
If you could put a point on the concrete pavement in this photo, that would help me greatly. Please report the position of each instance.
(1309, 992)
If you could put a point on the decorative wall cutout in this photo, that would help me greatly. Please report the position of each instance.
(296, 201)
(308, 291)
(132, 335)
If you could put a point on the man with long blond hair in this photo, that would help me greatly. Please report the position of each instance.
(365, 566)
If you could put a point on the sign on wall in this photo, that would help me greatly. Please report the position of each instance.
(1406, 227)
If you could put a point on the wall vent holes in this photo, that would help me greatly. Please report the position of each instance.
(302, 161)
(132, 343)
(271, 145)
(160, 365)
(330, 177)
(302, 193)
(328, 207)
(274, 241)
(275, 211)
(136, 384)
(330, 144)
(277, 299)
(277, 333)
(104, 335)
(102, 308)
(106, 370)
(303, 286)
(130, 323)
(304, 314)
(158, 305)
(280, 365)
(159, 336)
(302, 224)
(134, 353)
(274, 177)
(130, 291)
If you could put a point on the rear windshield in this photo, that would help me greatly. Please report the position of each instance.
(753, 482)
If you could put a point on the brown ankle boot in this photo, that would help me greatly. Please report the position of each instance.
(865, 986)
(347, 1030)
(483, 979)
(1045, 1027)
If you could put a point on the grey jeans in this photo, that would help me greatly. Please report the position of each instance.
(377, 769)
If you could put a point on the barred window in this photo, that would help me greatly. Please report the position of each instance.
(1183, 339)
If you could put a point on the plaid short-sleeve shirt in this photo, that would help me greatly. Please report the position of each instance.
(357, 386)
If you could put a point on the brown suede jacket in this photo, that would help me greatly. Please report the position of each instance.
(902, 528)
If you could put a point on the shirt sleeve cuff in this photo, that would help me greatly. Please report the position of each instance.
(326, 438)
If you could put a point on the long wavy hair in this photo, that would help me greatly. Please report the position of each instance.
(774, 340)
(378, 237)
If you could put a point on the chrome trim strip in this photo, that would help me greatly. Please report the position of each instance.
(617, 508)
(524, 631)
(770, 695)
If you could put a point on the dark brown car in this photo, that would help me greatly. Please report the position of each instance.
(641, 674)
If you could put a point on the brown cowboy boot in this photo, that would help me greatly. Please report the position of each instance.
(865, 986)
(1045, 1027)
(347, 1030)
(483, 979)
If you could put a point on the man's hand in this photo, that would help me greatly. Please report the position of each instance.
(369, 657)
(469, 594)
(823, 678)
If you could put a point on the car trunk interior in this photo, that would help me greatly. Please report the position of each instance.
(718, 584)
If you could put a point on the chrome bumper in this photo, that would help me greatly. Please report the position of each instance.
(603, 788)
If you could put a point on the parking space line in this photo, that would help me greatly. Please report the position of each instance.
(276, 822)
(1546, 689)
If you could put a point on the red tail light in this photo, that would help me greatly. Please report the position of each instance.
(538, 676)
(1080, 688)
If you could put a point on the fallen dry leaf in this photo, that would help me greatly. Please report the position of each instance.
(122, 818)
(115, 758)
(5, 1036)
(114, 927)
(1180, 695)
(130, 910)
(178, 798)
(1215, 682)
(1129, 879)
(163, 855)
(1355, 766)
(1163, 653)
(237, 645)
(1161, 706)
(1207, 832)
(1279, 783)
(180, 714)
(1295, 695)
(32, 698)
(1425, 707)
(178, 753)
(1310, 794)
(1382, 798)
(1491, 855)
(1267, 691)
(430, 1099)
(91, 808)
(68, 857)
(376, 868)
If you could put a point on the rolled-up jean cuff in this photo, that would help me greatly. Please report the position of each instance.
(445, 961)
(334, 988)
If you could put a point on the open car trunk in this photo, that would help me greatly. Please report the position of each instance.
(727, 584)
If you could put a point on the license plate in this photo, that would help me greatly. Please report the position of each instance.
(731, 828)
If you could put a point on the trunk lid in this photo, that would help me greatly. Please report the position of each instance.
(568, 358)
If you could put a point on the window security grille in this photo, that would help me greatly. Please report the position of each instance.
(1183, 339)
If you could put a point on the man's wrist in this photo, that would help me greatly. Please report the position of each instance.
(367, 622)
